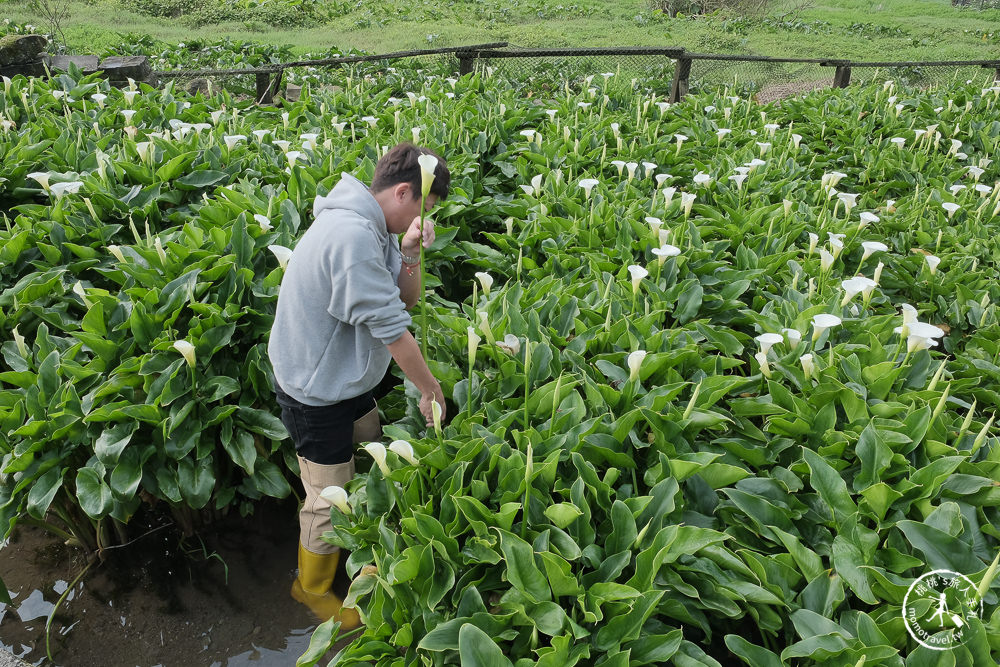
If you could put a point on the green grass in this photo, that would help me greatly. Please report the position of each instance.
(932, 29)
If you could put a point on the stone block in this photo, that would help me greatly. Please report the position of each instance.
(36, 68)
(87, 64)
(120, 68)
(21, 49)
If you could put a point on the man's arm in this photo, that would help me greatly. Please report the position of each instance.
(409, 284)
(410, 277)
(407, 354)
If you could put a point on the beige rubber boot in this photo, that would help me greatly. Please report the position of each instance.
(368, 428)
(314, 517)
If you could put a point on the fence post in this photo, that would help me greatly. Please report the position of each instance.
(264, 88)
(267, 87)
(682, 72)
(466, 63)
(842, 77)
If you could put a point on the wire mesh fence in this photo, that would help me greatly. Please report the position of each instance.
(667, 71)
(977, 4)
(922, 75)
(264, 83)
(764, 79)
(653, 67)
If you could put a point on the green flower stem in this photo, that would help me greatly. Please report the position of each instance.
(590, 227)
(423, 302)
(528, 466)
(468, 393)
(527, 369)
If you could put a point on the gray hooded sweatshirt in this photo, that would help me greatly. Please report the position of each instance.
(338, 306)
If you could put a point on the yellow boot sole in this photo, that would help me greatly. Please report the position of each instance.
(326, 606)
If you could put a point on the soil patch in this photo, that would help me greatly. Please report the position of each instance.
(217, 600)
(780, 91)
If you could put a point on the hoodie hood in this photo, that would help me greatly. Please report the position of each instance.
(350, 194)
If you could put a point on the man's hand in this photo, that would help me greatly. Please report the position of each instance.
(425, 405)
(407, 354)
(410, 245)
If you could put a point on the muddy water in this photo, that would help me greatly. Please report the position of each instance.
(218, 601)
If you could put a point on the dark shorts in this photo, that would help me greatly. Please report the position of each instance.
(323, 434)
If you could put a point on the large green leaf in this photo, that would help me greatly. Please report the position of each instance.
(476, 649)
(522, 570)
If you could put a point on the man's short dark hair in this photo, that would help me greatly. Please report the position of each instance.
(399, 165)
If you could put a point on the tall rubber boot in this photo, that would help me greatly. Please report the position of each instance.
(318, 560)
(368, 428)
(312, 588)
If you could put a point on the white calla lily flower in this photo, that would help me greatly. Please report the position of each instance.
(917, 343)
(486, 280)
(70, 187)
(638, 273)
(822, 322)
(836, 244)
(769, 340)
(588, 184)
(854, 286)
(376, 450)
(687, 201)
(187, 351)
(634, 363)
(337, 497)
(42, 177)
(436, 414)
(232, 139)
(473, 344)
(765, 366)
(664, 251)
(403, 450)
(282, 253)
(264, 223)
(867, 218)
(919, 329)
(872, 247)
(951, 208)
(794, 337)
(808, 365)
(511, 345)
(826, 260)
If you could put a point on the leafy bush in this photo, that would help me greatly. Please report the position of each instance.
(164, 8)
(281, 13)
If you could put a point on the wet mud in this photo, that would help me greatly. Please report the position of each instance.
(219, 599)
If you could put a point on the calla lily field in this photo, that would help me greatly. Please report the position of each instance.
(721, 377)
